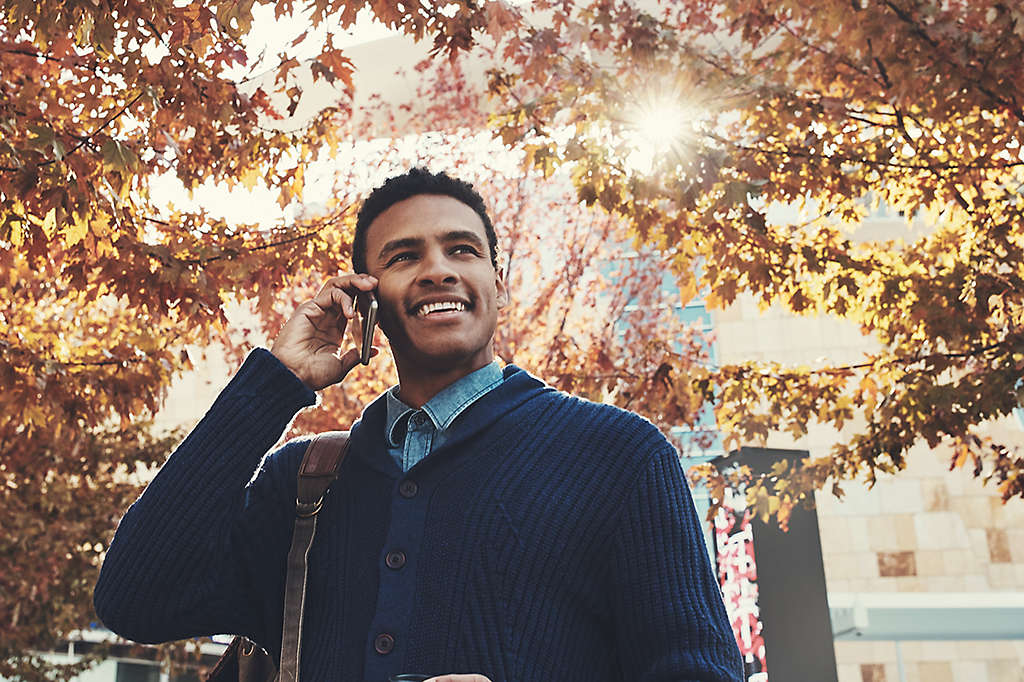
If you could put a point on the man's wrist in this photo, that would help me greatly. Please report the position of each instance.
(288, 377)
(305, 380)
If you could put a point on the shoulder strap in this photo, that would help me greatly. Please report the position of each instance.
(320, 466)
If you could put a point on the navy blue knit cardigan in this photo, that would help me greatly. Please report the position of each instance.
(550, 539)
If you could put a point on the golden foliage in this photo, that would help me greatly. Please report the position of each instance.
(836, 108)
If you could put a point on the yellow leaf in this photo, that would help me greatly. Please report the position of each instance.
(250, 178)
(75, 231)
(687, 288)
(868, 386)
(50, 223)
(203, 45)
(17, 233)
(960, 456)
(101, 224)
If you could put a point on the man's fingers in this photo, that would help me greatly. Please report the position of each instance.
(307, 344)
(338, 293)
(332, 297)
(352, 283)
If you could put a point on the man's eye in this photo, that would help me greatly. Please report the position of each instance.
(464, 248)
(401, 256)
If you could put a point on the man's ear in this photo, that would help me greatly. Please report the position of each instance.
(501, 288)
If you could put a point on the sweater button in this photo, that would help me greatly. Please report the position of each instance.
(395, 559)
(408, 489)
(384, 643)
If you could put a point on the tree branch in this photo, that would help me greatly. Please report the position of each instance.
(232, 255)
(933, 44)
(88, 138)
(36, 55)
(831, 54)
(261, 247)
(912, 360)
(934, 167)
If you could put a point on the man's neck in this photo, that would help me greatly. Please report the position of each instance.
(416, 386)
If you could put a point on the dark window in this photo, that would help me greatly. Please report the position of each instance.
(137, 672)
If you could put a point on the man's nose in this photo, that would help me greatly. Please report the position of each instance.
(436, 268)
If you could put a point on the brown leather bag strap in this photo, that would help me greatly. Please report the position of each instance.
(320, 466)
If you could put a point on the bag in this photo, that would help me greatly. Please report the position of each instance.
(246, 661)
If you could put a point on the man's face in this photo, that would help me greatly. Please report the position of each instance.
(439, 293)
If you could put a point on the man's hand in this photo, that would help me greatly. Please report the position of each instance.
(309, 343)
(459, 678)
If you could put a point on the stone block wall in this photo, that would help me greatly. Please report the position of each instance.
(927, 529)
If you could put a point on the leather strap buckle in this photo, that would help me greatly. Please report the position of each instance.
(305, 511)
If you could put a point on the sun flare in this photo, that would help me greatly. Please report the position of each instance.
(661, 129)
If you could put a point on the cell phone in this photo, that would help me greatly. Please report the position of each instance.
(366, 303)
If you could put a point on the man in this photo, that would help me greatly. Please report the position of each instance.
(484, 527)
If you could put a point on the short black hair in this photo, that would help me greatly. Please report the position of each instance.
(412, 183)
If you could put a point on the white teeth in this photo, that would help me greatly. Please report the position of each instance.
(428, 308)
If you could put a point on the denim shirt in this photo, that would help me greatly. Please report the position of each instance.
(413, 434)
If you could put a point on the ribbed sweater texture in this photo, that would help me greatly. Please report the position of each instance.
(549, 539)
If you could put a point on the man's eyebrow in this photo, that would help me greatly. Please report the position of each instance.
(397, 244)
(418, 242)
(463, 236)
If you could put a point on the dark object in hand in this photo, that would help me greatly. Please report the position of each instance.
(243, 661)
(366, 302)
(409, 677)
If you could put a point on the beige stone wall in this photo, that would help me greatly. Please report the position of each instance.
(930, 661)
(925, 530)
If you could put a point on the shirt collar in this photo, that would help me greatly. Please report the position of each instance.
(448, 404)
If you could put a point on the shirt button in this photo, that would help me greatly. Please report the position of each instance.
(384, 643)
(417, 420)
(408, 489)
(395, 559)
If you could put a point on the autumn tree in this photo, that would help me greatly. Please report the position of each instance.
(106, 284)
(103, 284)
(836, 108)
(833, 107)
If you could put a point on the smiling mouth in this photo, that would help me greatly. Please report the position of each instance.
(440, 307)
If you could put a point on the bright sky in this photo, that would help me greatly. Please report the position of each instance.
(268, 38)
(660, 125)
(274, 36)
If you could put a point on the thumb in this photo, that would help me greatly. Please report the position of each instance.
(351, 358)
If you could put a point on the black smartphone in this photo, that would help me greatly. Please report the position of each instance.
(366, 302)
